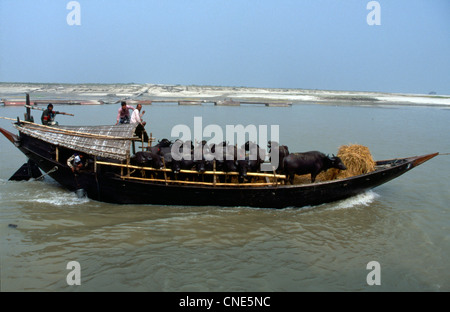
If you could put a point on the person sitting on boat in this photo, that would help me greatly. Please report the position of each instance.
(123, 116)
(76, 162)
(48, 116)
(136, 118)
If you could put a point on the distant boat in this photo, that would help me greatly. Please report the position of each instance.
(56, 101)
(13, 103)
(135, 102)
(228, 102)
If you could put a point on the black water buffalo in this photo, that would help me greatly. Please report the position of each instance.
(176, 165)
(226, 158)
(147, 159)
(203, 160)
(310, 162)
(283, 151)
(245, 164)
(164, 150)
(229, 162)
(254, 151)
(185, 163)
(164, 143)
(161, 148)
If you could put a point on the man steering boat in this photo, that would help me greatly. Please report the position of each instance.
(48, 116)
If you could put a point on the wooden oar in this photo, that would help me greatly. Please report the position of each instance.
(41, 109)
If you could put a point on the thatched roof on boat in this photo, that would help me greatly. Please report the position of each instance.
(104, 141)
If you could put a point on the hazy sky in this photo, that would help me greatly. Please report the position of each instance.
(320, 44)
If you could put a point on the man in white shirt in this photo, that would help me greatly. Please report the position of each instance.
(136, 117)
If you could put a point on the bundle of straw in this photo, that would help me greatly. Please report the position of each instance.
(356, 158)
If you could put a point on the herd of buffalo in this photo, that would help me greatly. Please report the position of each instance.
(180, 155)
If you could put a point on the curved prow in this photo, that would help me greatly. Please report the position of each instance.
(10, 136)
(421, 159)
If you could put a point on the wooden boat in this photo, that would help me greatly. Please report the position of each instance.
(110, 177)
(13, 102)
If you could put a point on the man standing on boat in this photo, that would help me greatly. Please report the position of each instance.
(136, 118)
(123, 116)
(48, 116)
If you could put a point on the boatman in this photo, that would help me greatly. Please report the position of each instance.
(76, 162)
(123, 116)
(136, 118)
(48, 116)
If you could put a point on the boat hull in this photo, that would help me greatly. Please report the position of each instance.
(116, 190)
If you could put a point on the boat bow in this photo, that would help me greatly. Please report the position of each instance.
(418, 160)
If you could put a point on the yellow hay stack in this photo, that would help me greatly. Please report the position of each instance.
(357, 159)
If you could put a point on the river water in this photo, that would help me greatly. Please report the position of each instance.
(404, 225)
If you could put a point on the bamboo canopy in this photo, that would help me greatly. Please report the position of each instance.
(103, 141)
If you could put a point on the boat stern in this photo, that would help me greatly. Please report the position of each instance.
(10, 136)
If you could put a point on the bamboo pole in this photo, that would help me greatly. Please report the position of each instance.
(165, 169)
(131, 166)
(214, 170)
(197, 183)
(128, 165)
(41, 109)
(254, 174)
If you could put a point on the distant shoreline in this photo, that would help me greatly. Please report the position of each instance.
(113, 93)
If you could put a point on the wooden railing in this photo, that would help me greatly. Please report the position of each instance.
(272, 179)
